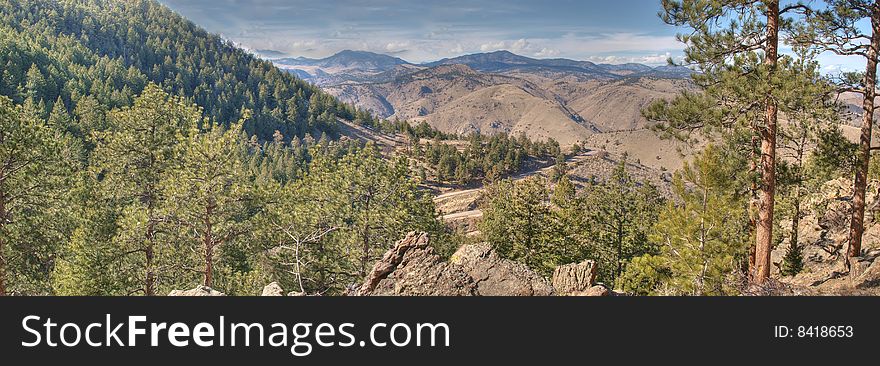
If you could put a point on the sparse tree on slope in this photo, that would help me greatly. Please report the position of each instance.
(836, 29)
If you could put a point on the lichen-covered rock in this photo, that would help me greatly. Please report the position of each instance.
(574, 278)
(198, 291)
(273, 289)
(411, 268)
(496, 276)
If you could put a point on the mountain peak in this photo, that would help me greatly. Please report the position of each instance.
(348, 60)
(364, 56)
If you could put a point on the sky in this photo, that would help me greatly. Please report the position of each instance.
(602, 31)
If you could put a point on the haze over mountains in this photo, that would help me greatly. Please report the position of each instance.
(500, 91)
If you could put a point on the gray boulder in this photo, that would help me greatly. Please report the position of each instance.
(198, 291)
(273, 289)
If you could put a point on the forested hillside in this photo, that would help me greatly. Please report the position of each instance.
(106, 51)
(142, 154)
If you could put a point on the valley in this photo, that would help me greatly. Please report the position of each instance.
(566, 100)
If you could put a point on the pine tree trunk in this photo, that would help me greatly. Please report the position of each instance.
(149, 254)
(209, 265)
(753, 204)
(149, 287)
(857, 223)
(764, 230)
(208, 242)
(794, 237)
(3, 219)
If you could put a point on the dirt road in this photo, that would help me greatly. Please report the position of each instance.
(450, 198)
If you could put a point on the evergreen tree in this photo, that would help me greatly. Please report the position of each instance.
(809, 112)
(519, 223)
(329, 228)
(836, 29)
(618, 215)
(701, 240)
(133, 157)
(206, 192)
(36, 164)
(736, 45)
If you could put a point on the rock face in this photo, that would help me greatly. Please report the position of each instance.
(411, 268)
(198, 291)
(273, 289)
(495, 276)
(574, 278)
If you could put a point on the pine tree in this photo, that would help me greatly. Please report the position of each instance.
(329, 228)
(809, 112)
(133, 156)
(206, 192)
(36, 164)
(701, 239)
(564, 194)
(618, 216)
(736, 45)
(35, 85)
(837, 29)
(519, 223)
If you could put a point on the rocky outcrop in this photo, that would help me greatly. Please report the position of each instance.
(198, 291)
(575, 278)
(273, 289)
(411, 268)
(495, 276)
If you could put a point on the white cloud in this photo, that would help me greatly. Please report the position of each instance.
(520, 45)
(397, 47)
(488, 47)
(547, 52)
(649, 59)
(303, 45)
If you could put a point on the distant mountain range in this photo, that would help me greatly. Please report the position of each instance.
(493, 62)
(567, 100)
(348, 60)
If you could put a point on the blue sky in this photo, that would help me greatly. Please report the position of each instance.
(611, 31)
